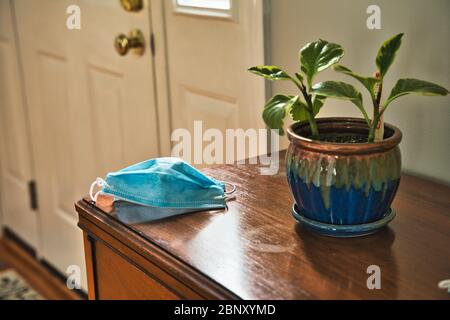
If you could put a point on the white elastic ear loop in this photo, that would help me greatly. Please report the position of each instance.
(233, 188)
(228, 194)
(98, 182)
(445, 284)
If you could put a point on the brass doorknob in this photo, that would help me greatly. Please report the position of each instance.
(134, 41)
(131, 5)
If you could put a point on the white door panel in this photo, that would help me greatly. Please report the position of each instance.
(208, 57)
(92, 111)
(16, 170)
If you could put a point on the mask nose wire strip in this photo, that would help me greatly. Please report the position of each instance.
(98, 182)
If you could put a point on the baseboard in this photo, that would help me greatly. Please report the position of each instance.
(40, 275)
(12, 236)
(61, 277)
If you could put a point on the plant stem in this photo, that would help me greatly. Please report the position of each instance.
(376, 112)
(313, 125)
(373, 127)
(366, 117)
(311, 119)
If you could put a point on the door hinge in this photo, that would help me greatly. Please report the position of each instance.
(32, 191)
(152, 44)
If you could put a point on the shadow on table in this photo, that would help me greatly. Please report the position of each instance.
(344, 262)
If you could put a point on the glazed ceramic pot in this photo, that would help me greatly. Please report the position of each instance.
(343, 184)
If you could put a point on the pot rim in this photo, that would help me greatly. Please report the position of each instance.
(343, 148)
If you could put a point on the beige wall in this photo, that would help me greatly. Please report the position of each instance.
(424, 54)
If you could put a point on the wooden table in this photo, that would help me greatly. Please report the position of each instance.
(255, 250)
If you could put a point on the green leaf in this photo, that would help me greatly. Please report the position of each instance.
(292, 101)
(407, 86)
(275, 111)
(338, 90)
(386, 53)
(318, 103)
(299, 111)
(317, 56)
(270, 72)
(368, 82)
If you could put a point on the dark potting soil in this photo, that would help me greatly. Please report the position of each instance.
(342, 138)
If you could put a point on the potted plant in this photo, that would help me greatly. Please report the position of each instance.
(343, 172)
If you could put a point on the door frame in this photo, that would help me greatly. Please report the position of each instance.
(161, 75)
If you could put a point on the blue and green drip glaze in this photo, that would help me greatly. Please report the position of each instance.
(343, 189)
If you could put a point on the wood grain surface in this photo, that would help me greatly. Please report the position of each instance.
(256, 250)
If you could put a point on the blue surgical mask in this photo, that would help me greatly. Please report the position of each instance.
(130, 213)
(164, 183)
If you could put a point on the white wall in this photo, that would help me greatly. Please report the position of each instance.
(424, 121)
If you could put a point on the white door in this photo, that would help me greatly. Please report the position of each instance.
(210, 45)
(15, 158)
(92, 111)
